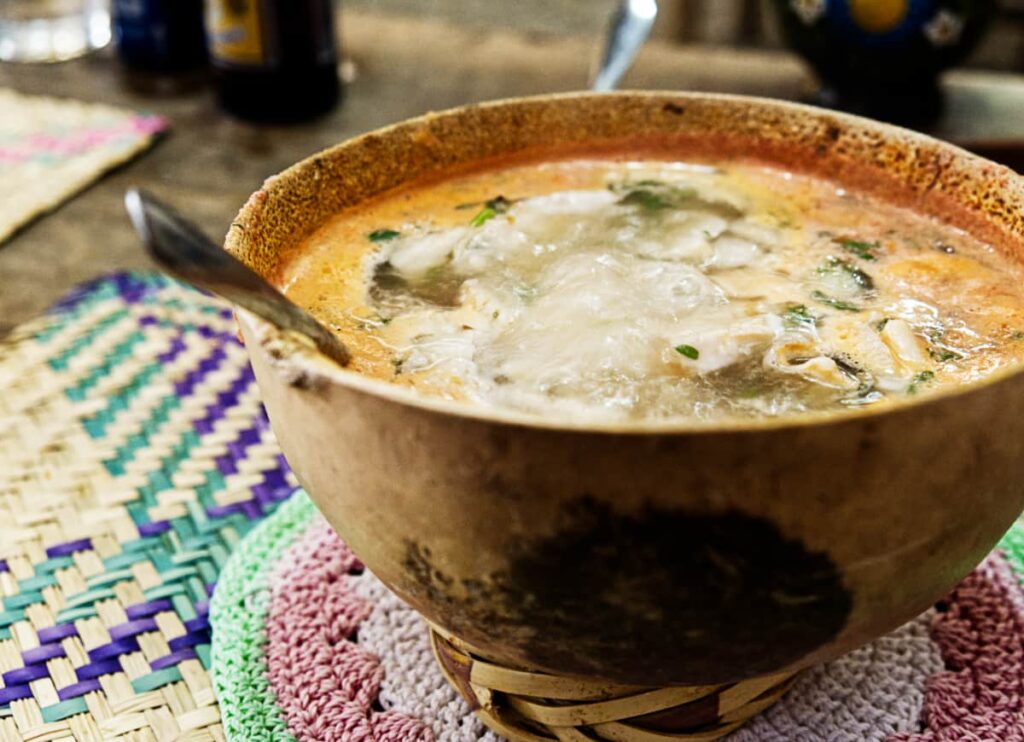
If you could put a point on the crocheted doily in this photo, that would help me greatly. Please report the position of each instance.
(308, 645)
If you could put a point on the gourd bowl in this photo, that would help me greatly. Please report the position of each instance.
(670, 553)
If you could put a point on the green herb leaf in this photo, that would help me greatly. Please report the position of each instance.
(863, 250)
(880, 325)
(1017, 335)
(646, 199)
(653, 195)
(922, 378)
(382, 235)
(834, 303)
(797, 316)
(499, 203)
(862, 279)
(483, 216)
(689, 351)
(944, 354)
(866, 394)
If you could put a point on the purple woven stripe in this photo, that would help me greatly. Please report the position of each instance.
(130, 286)
(176, 349)
(14, 693)
(211, 333)
(192, 378)
(78, 689)
(274, 486)
(200, 623)
(226, 465)
(114, 649)
(56, 633)
(188, 640)
(45, 653)
(172, 659)
(69, 548)
(222, 511)
(132, 628)
(3, 566)
(202, 607)
(96, 669)
(249, 508)
(25, 674)
(154, 529)
(226, 400)
(150, 608)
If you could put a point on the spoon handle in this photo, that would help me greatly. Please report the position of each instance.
(182, 250)
(629, 28)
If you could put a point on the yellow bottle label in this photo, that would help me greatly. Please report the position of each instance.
(234, 31)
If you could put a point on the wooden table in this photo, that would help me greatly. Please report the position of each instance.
(210, 163)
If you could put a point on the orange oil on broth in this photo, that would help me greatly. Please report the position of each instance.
(652, 290)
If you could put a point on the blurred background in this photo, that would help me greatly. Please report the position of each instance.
(201, 100)
(739, 23)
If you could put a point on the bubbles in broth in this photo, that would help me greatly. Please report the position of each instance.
(650, 290)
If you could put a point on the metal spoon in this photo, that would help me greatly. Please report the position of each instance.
(628, 30)
(181, 249)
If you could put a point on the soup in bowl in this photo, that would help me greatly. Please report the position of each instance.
(651, 388)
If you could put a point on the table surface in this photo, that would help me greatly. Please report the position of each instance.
(210, 163)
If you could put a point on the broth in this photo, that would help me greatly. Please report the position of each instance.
(651, 290)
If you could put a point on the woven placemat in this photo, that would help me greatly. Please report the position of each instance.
(134, 455)
(307, 645)
(50, 149)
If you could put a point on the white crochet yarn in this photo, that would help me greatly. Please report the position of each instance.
(413, 684)
(865, 696)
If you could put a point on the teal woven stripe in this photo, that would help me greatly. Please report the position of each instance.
(64, 709)
(184, 607)
(37, 582)
(118, 353)
(52, 565)
(155, 680)
(22, 600)
(126, 451)
(70, 615)
(96, 425)
(9, 617)
(238, 613)
(203, 653)
(109, 577)
(90, 597)
(60, 361)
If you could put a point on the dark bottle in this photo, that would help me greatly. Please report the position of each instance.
(275, 60)
(162, 37)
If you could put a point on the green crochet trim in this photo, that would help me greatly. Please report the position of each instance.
(1012, 545)
(238, 612)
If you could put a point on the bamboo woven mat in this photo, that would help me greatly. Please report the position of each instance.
(134, 455)
(136, 464)
(50, 149)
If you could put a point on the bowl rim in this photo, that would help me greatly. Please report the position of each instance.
(317, 370)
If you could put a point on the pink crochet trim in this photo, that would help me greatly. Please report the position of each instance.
(326, 685)
(979, 630)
